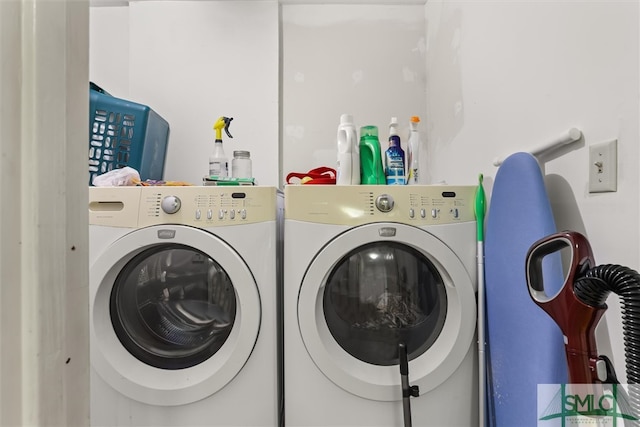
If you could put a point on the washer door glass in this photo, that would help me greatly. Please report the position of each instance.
(172, 306)
(375, 286)
(382, 294)
(175, 313)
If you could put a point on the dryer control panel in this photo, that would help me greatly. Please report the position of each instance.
(198, 206)
(361, 204)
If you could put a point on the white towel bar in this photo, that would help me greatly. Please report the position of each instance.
(572, 135)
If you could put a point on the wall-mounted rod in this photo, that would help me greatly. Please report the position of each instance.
(572, 135)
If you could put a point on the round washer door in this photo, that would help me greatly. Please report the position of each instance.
(375, 286)
(175, 314)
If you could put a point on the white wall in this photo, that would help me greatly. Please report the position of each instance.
(509, 76)
(192, 62)
(195, 61)
(365, 60)
(109, 52)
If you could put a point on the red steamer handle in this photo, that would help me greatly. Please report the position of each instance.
(576, 320)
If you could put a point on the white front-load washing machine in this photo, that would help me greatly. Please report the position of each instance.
(183, 306)
(372, 273)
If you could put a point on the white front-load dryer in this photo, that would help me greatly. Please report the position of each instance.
(370, 271)
(183, 306)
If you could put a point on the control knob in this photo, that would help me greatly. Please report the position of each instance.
(384, 203)
(170, 204)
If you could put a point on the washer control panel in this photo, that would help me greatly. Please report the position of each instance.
(361, 204)
(199, 206)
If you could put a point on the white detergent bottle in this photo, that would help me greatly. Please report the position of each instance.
(413, 151)
(348, 171)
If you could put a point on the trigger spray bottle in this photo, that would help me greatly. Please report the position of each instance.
(218, 161)
(394, 157)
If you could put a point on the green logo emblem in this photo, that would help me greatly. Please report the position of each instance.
(563, 405)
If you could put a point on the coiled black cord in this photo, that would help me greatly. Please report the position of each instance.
(594, 288)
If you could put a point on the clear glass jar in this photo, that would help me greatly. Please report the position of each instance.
(241, 165)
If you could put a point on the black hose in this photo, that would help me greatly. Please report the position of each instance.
(594, 288)
(404, 377)
(408, 391)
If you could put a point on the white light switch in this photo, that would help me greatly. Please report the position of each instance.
(603, 167)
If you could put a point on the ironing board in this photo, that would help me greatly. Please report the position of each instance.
(524, 346)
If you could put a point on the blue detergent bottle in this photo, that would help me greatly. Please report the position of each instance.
(371, 167)
(394, 164)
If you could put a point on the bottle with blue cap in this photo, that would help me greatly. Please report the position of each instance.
(394, 164)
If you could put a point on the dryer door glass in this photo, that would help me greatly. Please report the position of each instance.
(172, 306)
(381, 294)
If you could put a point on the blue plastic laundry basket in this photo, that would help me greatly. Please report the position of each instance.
(124, 133)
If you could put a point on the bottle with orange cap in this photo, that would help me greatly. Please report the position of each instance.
(413, 151)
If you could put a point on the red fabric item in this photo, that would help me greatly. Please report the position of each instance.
(321, 175)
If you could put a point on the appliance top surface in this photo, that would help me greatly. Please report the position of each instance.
(198, 206)
(418, 205)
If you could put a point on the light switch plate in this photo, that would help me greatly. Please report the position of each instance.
(603, 167)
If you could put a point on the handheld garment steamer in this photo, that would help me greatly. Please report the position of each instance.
(579, 305)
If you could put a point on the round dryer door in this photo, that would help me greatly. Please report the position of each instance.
(377, 286)
(175, 314)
